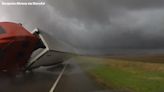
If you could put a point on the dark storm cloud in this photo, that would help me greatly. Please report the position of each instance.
(96, 24)
(101, 9)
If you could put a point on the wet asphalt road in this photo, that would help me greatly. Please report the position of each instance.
(75, 80)
(42, 79)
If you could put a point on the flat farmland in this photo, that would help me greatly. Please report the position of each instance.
(126, 74)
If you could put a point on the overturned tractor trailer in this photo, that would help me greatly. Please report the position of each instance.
(53, 52)
(22, 50)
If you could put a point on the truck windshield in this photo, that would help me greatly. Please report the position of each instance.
(2, 30)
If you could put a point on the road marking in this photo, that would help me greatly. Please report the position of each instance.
(57, 81)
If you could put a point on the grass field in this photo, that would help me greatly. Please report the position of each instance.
(126, 74)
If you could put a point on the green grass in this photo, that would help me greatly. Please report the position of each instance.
(125, 75)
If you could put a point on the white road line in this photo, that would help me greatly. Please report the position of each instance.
(56, 82)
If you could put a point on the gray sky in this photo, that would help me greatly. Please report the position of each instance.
(95, 24)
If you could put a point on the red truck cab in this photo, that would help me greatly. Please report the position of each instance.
(16, 46)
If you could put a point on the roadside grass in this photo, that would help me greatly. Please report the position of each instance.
(125, 74)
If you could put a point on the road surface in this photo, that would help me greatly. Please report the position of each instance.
(43, 80)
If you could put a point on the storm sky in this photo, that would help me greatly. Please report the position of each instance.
(95, 25)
